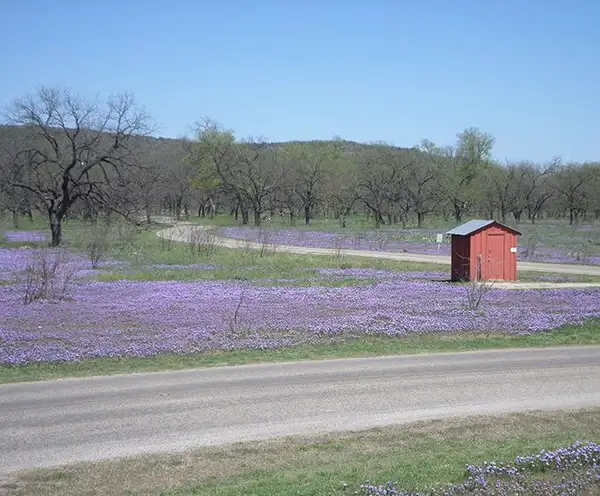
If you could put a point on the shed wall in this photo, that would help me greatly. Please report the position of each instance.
(491, 255)
(460, 258)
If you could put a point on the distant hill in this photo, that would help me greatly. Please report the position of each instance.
(170, 146)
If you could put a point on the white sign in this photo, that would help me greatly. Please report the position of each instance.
(440, 238)
(513, 249)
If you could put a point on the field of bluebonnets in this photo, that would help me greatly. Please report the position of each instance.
(131, 294)
(569, 471)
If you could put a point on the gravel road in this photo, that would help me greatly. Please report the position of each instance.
(182, 232)
(57, 422)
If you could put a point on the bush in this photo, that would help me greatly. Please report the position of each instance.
(203, 241)
(47, 276)
(97, 243)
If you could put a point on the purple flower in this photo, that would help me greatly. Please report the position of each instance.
(25, 236)
(128, 318)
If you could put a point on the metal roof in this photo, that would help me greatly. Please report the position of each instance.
(475, 225)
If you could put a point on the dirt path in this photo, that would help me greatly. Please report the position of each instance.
(183, 232)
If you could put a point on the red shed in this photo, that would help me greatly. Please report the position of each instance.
(484, 250)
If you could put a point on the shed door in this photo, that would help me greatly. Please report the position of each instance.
(496, 254)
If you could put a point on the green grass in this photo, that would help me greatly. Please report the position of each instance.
(416, 456)
(147, 249)
(364, 346)
(232, 266)
(25, 224)
(525, 276)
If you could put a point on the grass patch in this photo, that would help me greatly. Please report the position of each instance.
(418, 455)
(552, 277)
(364, 346)
(240, 264)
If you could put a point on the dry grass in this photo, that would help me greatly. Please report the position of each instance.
(432, 452)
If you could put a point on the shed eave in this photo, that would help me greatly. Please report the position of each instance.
(476, 225)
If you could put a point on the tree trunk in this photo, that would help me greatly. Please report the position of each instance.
(55, 227)
(292, 219)
(245, 215)
(457, 213)
(420, 219)
(178, 209)
(15, 219)
(90, 213)
(257, 219)
(307, 214)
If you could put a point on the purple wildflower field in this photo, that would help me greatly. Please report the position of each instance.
(26, 236)
(127, 318)
(14, 261)
(576, 471)
(421, 241)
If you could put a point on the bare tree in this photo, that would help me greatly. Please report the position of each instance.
(342, 192)
(380, 168)
(75, 149)
(288, 198)
(535, 188)
(421, 187)
(505, 187)
(307, 165)
(573, 185)
(16, 201)
(455, 176)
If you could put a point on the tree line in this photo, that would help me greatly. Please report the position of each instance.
(62, 154)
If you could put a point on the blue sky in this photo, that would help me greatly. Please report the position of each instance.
(527, 71)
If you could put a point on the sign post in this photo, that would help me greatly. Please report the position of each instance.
(440, 239)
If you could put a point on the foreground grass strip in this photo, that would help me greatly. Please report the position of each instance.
(416, 456)
(364, 346)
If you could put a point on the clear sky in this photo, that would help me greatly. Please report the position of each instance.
(527, 71)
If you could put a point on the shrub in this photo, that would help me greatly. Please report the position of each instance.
(47, 276)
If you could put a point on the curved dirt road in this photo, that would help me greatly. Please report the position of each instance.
(185, 232)
(57, 422)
